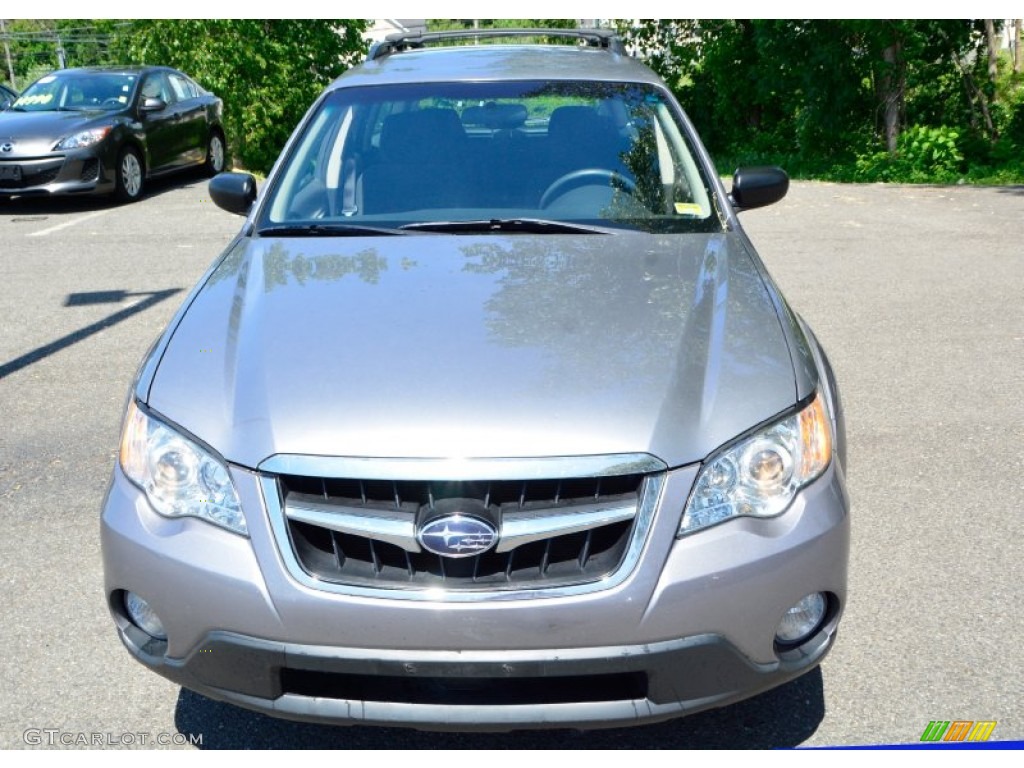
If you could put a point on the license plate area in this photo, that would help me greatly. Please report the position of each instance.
(10, 173)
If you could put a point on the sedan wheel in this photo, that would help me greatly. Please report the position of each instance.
(215, 154)
(129, 176)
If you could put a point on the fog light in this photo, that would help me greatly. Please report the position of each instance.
(801, 620)
(144, 617)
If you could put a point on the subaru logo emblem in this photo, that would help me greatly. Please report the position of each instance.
(457, 536)
(6, 147)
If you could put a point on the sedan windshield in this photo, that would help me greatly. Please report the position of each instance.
(77, 91)
(494, 157)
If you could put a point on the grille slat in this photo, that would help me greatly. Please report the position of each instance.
(339, 555)
(374, 558)
(585, 551)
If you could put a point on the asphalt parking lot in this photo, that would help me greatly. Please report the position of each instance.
(917, 293)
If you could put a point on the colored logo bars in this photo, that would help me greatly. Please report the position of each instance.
(958, 730)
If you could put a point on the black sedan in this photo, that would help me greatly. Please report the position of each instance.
(107, 130)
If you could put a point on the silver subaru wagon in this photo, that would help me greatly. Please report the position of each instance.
(489, 418)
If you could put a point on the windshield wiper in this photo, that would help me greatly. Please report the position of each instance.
(529, 226)
(326, 230)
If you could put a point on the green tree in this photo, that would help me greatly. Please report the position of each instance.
(819, 94)
(268, 72)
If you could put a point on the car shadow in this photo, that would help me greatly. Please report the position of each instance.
(53, 205)
(784, 717)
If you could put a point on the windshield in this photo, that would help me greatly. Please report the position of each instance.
(436, 155)
(77, 91)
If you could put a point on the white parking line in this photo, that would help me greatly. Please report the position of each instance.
(66, 224)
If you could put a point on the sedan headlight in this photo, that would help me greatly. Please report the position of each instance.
(179, 478)
(760, 476)
(84, 139)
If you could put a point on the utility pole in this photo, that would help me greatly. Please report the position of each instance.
(1016, 46)
(7, 53)
(62, 61)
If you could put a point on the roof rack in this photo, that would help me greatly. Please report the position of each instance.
(402, 41)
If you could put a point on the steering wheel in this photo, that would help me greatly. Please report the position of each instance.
(113, 101)
(583, 177)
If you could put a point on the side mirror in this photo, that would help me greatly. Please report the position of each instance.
(234, 192)
(153, 104)
(757, 186)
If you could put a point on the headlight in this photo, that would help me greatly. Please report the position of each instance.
(180, 478)
(84, 139)
(760, 476)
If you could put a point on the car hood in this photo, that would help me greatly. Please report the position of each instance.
(34, 133)
(439, 346)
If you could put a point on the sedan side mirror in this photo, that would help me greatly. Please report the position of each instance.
(234, 192)
(757, 186)
(153, 104)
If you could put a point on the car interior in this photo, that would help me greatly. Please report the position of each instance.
(572, 159)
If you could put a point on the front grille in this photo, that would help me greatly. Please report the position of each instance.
(454, 691)
(31, 178)
(553, 532)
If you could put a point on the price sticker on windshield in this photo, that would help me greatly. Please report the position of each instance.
(34, 99)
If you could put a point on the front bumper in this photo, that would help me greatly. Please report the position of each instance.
(79, 171)
(480, 691)
(691, 627)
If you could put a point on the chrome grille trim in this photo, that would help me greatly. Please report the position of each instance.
(396, 527)
(392, 527)
(463, 469)
(523, 527)
(650, 495)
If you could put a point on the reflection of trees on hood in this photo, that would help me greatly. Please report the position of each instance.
(583, 307)
(280, 264)
(682, 307)
(546, 291)
(604, 313)
(230, 265)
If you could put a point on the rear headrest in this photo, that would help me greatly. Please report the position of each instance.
(494, 115)
(422, 135)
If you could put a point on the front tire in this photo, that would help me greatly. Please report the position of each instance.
(216, 154)
(130, 177)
